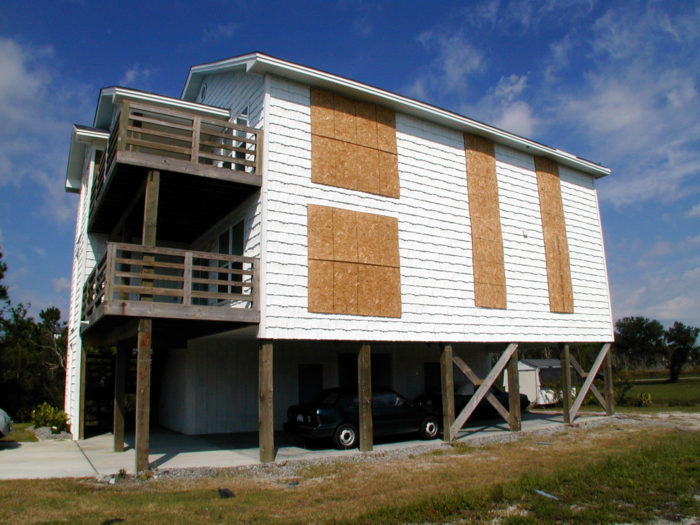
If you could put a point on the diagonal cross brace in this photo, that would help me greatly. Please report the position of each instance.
(589, 380)
(483, 389)
(594, 389)
(476, 380)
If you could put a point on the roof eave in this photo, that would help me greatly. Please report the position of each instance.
(81, 138)
(261, 64)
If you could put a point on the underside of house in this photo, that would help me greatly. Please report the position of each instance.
(279, 230)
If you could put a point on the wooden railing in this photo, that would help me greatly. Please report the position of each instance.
(133, 279)
(191, 142)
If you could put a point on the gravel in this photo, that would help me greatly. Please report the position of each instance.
(47, 433)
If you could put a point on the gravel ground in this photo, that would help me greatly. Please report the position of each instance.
(291, 468)
(46, 433)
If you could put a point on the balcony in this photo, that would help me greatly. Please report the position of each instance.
(207, 166)
(137, 281)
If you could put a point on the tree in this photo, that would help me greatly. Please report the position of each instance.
(639, 341)
(681, 348)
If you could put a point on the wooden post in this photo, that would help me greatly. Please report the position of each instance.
(448, 394)
(120, 369)
(565, 357)
(266, 425)
(364, 398)
(145, 332)
(609, 390)
(515, 419)
(143, 394)
(589, 380)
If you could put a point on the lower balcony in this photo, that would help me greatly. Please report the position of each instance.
(165, 283)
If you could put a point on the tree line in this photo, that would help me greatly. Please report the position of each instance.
(644, 343)
(32, 356)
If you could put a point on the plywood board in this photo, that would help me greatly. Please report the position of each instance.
(320, 232)
(377, 240)
(487, 238)
(345, 121)
(322, 159)
(344, 235)
(366, 166)
(391, 292)
(556, 246)
(388, 175)
(322, 112)
(386, 129)
(366, 124)
(320, 286)
(369, 290)
(345, 288)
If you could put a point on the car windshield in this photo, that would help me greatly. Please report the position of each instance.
(327, 397)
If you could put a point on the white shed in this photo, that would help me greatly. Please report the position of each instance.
(537, 377)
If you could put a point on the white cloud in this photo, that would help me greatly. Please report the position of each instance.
(220, 32)
(455, 59)
(136, 76)
(61, 284)
(694, 212)
(35, 106)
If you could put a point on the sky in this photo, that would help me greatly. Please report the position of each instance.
(615, 82)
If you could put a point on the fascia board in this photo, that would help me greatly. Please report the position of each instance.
(111, 96)
(267, 64)
(197, 73)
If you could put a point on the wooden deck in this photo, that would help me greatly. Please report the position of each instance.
(200, 154)
(137, 281)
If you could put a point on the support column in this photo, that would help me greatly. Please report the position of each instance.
(145, 330)
(364, 383)
(609, 391)
(448, 397)
(143, 394)
(515, 417)
(565, 357)
(120, 368)
(266, 423)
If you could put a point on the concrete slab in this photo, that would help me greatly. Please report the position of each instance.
(43, 459)
(170, 450)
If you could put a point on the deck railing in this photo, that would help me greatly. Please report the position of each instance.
(190, 141)
(138, 279)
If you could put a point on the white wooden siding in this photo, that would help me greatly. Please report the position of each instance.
(434, 241)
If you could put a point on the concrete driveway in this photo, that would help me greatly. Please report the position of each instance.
(93, 457)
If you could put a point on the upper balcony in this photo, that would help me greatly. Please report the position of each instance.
(207, 165)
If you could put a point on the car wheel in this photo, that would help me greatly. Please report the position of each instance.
(345, 436)
(429, 428)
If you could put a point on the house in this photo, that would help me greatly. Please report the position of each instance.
(279, 229)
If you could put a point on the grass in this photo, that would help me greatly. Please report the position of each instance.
(684, 395)
(20, 433)
(612, 473)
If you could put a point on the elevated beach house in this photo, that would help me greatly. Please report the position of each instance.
(279, 229)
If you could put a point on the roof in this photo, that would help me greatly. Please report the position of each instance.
(81, 138)
(261, 63)
(542, 363)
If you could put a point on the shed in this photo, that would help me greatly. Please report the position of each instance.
(536, 376)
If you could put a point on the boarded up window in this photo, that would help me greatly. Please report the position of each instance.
(353, 263)
(353, 144)
(487, 240)
(556, 247)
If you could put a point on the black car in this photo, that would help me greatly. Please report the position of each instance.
(483, 410)
(334, 414)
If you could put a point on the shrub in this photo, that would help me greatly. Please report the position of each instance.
(645, 399)
(46, 415)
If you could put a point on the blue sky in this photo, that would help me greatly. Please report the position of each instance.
(615, 82)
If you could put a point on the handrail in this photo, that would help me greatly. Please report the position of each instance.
(135, 273)
(161, 132)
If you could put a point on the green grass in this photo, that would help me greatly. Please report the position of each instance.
(20, 433)
(684, 394)
(658, 481)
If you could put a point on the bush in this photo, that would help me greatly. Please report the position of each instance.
(47, 416)
(645, 399)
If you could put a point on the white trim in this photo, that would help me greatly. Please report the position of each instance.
(262, 64)
(80, 139)
(262, 291)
